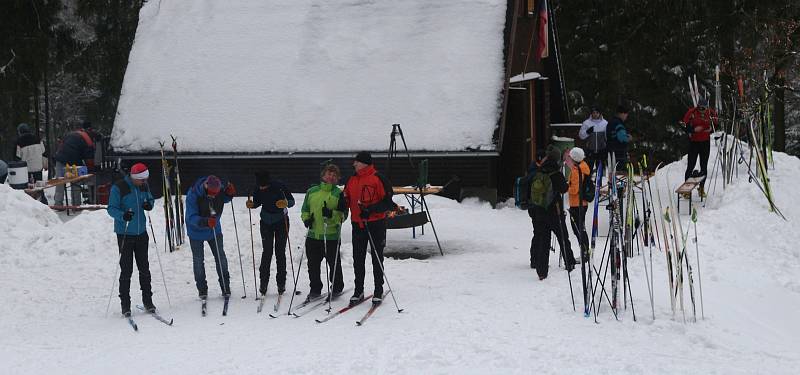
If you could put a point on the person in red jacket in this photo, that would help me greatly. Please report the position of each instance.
(368, 195)
(699, 123)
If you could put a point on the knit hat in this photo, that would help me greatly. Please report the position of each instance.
(364, 157)
(622, 109)
(23, 128)
(213, 185)
(263, 178)
(553, 153)
(139, 172)
(86, 124)
(577, 154)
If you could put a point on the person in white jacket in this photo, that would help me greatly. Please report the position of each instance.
(593, 133)
(31, 150)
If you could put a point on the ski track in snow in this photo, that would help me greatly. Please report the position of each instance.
(478, 309)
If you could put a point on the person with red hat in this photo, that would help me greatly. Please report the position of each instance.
(204, 204)
(128, 200)
(369, 195)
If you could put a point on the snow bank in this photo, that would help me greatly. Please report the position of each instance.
(315, 75)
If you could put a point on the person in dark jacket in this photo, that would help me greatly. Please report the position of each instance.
(324, 210)
(3, 171)
(369, 196)
(128, 200)
(274, 199)
(547, 215)
(699, 123)
(204, 204)
(618, 137)
(77, 148)
(31, 150)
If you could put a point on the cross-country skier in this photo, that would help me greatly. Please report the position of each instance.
(547, 187)
(128, 200)
(698, 123)
(204, 204)
(274, 199)
(324, 210)
(577, 206)
(593, 132)
(369, 196)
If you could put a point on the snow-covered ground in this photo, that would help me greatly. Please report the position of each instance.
(310, 75)
(478, 309)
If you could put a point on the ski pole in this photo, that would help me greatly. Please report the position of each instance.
(697, 250)
(325, 252)
(161, 268)
(225, 288)
(252, 248)
(289, 244)
(238, 248)
(121, 249)
(294, 292)
(380, 263)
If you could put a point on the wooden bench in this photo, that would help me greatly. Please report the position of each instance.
(686, 189)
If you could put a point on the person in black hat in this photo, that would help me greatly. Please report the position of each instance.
(274, 199)
(31, 150)
(369, 196)
(618, 137)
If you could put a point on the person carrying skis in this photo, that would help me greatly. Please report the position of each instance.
(618, 138)
(593, 133)
(274, 199)
(77, 148)
(369, 196)
(324, 209)
(31, 150)
(699, 122)
(547, 187)
(204, 204)
(579, 177)
(128, 200)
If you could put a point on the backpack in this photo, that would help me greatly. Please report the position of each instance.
(587, 191)
(542, 190)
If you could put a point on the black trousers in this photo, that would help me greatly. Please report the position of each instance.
(701, 149)
(544, 225)
(361, 241)
(315, 252)
(593, 158)
(130, 248)
(273, 237)
(578, 219)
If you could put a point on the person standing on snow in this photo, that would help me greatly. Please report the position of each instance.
(618, 137)
(579, 176)
(77, 148)
(547, 187)
(699, 122)
(204, 205)
(274, 199)
(128, 200)
(31, 150)
(324, 209)
(369, 196)
(593, 133)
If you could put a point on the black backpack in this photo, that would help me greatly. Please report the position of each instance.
(587, 191)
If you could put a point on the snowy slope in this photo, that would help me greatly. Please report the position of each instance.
(313, 75)
(478, 309)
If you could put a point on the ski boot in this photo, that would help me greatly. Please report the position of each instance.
(357, 297)
(126, 308)
(312, 296)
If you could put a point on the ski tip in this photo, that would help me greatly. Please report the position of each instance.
(273, 316)
(358, 324)
(170, 322)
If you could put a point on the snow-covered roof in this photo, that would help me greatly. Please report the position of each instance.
(524, 77)
(306, 76)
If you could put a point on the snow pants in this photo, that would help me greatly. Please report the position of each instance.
(315, 252)
(701, 149)
(220, 262)
(361, 240)
(545, 224)
(273, 237)
(130, 248)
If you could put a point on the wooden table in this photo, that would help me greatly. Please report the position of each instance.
(53, 182)
(416, 198)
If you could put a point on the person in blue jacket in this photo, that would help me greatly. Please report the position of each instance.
(204, 204)
(274, 199)
(127, 202)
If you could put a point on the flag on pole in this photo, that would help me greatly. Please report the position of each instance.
(543, 35)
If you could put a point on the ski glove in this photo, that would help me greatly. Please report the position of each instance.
(147, 205)
(127, 216)
(327, 212)
(249, 204)
(364, 213)
(283, 203)
(211, 222)
(230, 190)
(308, 222)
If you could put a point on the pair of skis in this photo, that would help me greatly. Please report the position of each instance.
(154, 314)
(204, 306)
(345, 309)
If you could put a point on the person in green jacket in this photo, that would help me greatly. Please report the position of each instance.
(324, 209)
